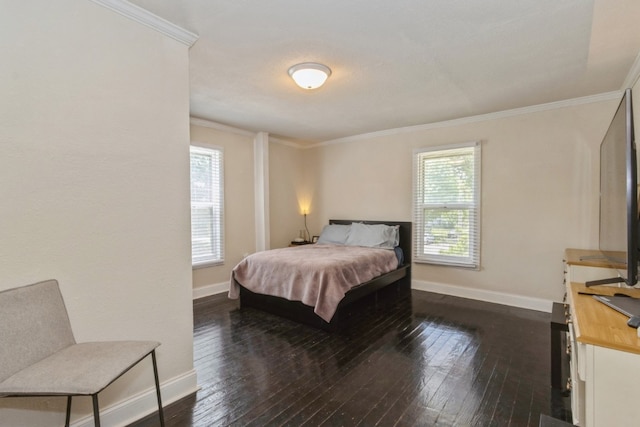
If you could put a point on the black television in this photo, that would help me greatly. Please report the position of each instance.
(619, 216)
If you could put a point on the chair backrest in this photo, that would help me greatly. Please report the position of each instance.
(33, 325)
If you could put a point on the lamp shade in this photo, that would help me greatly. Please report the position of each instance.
(309, 75)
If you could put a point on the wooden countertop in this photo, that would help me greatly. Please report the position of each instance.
(594, 322)
(591, 258)
(597, 324)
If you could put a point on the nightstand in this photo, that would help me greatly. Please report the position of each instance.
(300, 243)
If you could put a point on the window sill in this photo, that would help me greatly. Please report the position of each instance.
(206, 264)
(448, 264)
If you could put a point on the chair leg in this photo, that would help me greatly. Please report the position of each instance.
(155, 376)
(96, 411)
(68, 417)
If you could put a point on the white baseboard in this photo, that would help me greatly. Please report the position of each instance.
(512, 300)
(530, 303)
(144, 403)
(208, 290)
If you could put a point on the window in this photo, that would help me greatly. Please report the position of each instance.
(206, 206)
(447, 205)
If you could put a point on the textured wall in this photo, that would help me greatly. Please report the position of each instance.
(539, 191)
(94, 182)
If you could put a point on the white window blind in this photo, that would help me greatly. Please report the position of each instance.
(447, 205)
(207, 244)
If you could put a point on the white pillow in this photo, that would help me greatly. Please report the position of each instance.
(334, 234)
(373, 235)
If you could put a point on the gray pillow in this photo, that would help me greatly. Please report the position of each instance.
(373, 235)
(334, 234)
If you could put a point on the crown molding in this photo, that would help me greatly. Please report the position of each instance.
(287, 143)
(150, 20)
(479, 118)
(607, 96)
(633, 75)
(196, 121)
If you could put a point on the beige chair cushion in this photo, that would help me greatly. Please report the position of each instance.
(39, 355)
(82, 369)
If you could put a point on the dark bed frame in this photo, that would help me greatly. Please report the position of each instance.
(299, 312)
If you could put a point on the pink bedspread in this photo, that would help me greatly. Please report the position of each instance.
(316, 275)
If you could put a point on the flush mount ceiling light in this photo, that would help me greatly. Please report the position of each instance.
(309, 75)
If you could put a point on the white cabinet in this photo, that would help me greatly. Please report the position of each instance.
(582, 272)
(605, 352)
(612, 387)
(577, 381)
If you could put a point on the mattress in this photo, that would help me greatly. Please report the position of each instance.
(317, 275)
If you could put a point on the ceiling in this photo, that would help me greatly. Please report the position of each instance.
(397, 63)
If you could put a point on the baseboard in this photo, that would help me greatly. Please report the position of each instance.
(144, 403)
(530, 303)
(512, 300)
(208, 290)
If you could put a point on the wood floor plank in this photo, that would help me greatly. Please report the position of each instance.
(370, 339)
(399, 378)
(319, 395)
(426, 361)
(420, 360)
(429, 407)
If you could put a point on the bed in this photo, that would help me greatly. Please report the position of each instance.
(262, 286)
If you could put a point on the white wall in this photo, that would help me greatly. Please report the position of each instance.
(288, 194)
(287, 190)
(94, 179)
(239, 224)
(539, 192)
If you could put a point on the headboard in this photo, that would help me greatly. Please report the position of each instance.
(405, 233)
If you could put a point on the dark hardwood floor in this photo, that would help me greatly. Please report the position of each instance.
(419, 360)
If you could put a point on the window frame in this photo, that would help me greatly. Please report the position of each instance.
(212, 259)
(474, 206)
